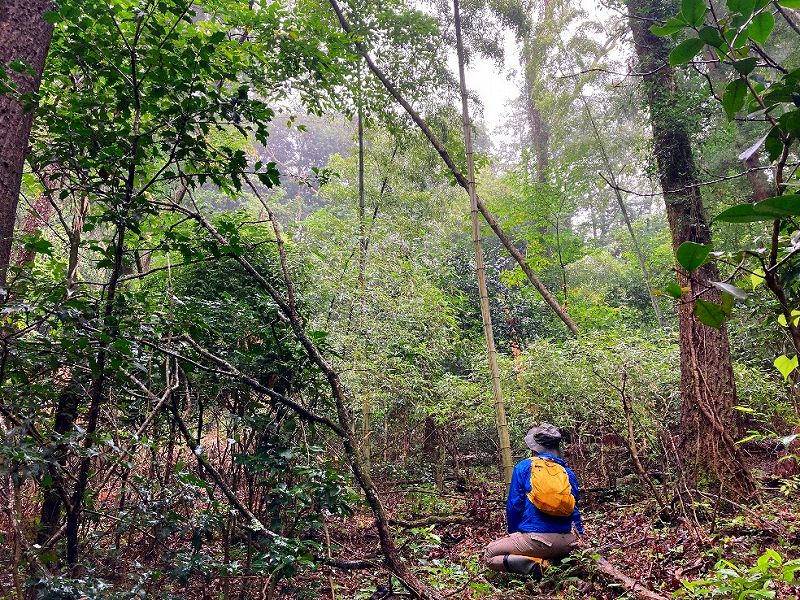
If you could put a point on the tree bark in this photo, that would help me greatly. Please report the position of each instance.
(24, 36)
(539, 130)
(366, 447)
(708, 424)
(486, 314)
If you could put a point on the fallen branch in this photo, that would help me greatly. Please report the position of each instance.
(629, 583)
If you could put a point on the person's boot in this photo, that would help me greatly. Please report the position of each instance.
(525, 565)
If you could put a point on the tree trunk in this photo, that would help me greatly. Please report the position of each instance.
(539, 130)
(362, 282)
(499, 405)
(24, 36)
(66, 412)
(708, 425)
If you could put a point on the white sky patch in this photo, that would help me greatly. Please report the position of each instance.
(497, 87)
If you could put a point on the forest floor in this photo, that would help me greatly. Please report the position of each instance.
(442, 535)
(627, 531)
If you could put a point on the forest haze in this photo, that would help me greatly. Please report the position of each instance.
(282, 306)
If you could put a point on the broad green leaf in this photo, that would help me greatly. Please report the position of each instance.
(774, 144)
(691, 255)
(785, 365)
(733, 290)
(746, 65)
(685, 51)
(743, 7)
(694, 11)
(756, 278)
(673, 25)
(787, 205)
(726, 302)
(674, 290)
(734, 97)
(795, 319)
(761, 27)
(711, 36)
(36, 243)
(742, 213)
(789, 3)
(790, 122)
(770, 209)
(709, 313)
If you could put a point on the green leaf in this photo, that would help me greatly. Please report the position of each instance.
(691, 255)
(685, 51)
(743, 7)
(674, 290)
(795, 318)
(770, 209)
(790, 122)
(787, 205)
(726, 302)
(745, 66)
(742, 213)
(785, 365)
(35, 243)
(711, 36)
(756, 278)
(694, 11)
(733, 290)
(761, 27)
(673, 25)
(774, 144)
(789, 3)
(709, 313)
(734, 97)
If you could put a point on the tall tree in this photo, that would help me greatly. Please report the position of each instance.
(708, 424)
(24, 42)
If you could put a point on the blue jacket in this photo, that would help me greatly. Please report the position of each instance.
(523, 516)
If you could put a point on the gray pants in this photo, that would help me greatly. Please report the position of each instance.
(514, 552)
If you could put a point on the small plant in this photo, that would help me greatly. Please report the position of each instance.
(733, 581)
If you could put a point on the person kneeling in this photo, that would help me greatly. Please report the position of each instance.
(541, 509)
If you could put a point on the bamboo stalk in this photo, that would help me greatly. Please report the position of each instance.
(480, 268)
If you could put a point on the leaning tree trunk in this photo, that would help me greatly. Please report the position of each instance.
(24, 36)
(708, 426)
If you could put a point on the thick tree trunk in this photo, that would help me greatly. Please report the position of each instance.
(708, 426)
(24, 36)
(539, 130)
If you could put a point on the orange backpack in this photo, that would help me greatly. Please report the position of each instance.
(551, 491)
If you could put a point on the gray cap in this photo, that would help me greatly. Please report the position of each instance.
(544, 438)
